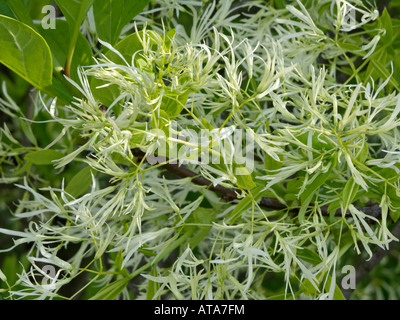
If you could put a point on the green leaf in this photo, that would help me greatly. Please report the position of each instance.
(153, 286)
(271, 164)
(333, 207)
(198, 236)
(337, 295)
(315, 185)
(348, 46)
(173, 103)
(118, 264)
(16, 86)
(80, 182)
(112, 15)
(74, 11)
(145, 249)
(127, 47)
(204, 216)
(112, 290)
(308, 256)
(349, 193)
(396, 32)
(105, 95)
(309, 289)
(303, 208)
(169, 35)
(383, 72)
(282, 296)
(10, 268)
(36, 6)
(6, 10)
(363, 153)
(21, 12)
(25, 52)
(396, 64)
(279, 4)
(244, 179)
(160, 122)
(293, 188)
(202, 219)
(319, 141)
(386, 21)
(27, 129)
(394, 215)
(43, 157)
(58, 89)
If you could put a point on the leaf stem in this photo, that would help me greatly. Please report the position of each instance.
(73, 40)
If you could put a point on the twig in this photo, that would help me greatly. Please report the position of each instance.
(372, 210)
(227, 194)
